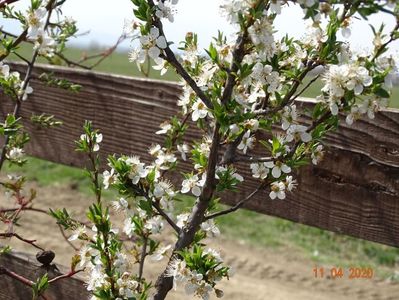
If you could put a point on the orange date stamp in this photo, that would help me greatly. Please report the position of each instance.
(343, 273)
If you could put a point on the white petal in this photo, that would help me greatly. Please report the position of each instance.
(306, 137)
(161, 42)
(196, 191)
(286, 169)
(276, 172)
(154, 52)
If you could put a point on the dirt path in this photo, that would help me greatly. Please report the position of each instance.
(259, 274)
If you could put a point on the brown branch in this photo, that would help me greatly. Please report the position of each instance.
(66, 238)
(305, 87)
(142, 260)
(25, 281)
(164, 282)
(67, 275)
(12, 234)
(3, 3)
(238, 205)
(5, 210)
(166, 217)
(170, 57)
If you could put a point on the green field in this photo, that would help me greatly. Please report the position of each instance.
(253, 228)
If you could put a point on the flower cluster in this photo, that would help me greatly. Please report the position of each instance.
(199, 270)
(37, 22)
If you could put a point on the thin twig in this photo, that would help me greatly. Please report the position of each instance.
(5, 210)
(306, 87)
(142, 259)
(13, 234)
(170, 57)
(66, 238)
(9, 273)
(67, 275)
(166, 217)
(238, 205)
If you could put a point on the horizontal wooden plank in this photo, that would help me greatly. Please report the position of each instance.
(27, 266)
(353, 191)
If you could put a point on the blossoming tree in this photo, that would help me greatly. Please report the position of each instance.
(231, 91)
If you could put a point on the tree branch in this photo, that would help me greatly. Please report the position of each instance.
(238, 205)
(12, 234)
(170, 57)
(25, 281)
(166, 217)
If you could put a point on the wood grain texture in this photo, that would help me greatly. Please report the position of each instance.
(354, 191)
(10, 289)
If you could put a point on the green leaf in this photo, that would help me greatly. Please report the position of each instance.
(40, 286)
(379, 91)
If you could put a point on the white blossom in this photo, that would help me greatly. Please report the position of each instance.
(161, 65)
(160, 253)
(166, 10)
(36, 21)
(317, 154)
(200, 110)
(154, 225)
(129, 227)
(166, 127)
(298, 133)
(127, 286)
(210, 228)
(153, 43)
(120, 205)
(4, 70)
(97, 278)
(121, 263)
(277, 190)
(183, 149)
(98, 137)
(290, 183)
(259, 170)
(247, 142)
(277, 168)
(137, 169)
(16, 154)
(192, 184)
(182, 220)
(289, 116)
(109, 177)
(78, 233)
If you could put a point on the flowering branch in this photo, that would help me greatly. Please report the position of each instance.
(171, 58)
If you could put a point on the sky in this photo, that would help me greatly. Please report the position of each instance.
(104, 22)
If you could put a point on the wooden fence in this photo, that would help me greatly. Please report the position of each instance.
(20, 263)
(354, 191)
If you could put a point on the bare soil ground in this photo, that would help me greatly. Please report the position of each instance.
(259, 273)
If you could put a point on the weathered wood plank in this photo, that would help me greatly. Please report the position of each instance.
(353, 191)
(11, 289)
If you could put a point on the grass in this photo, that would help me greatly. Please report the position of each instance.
(256, 229)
